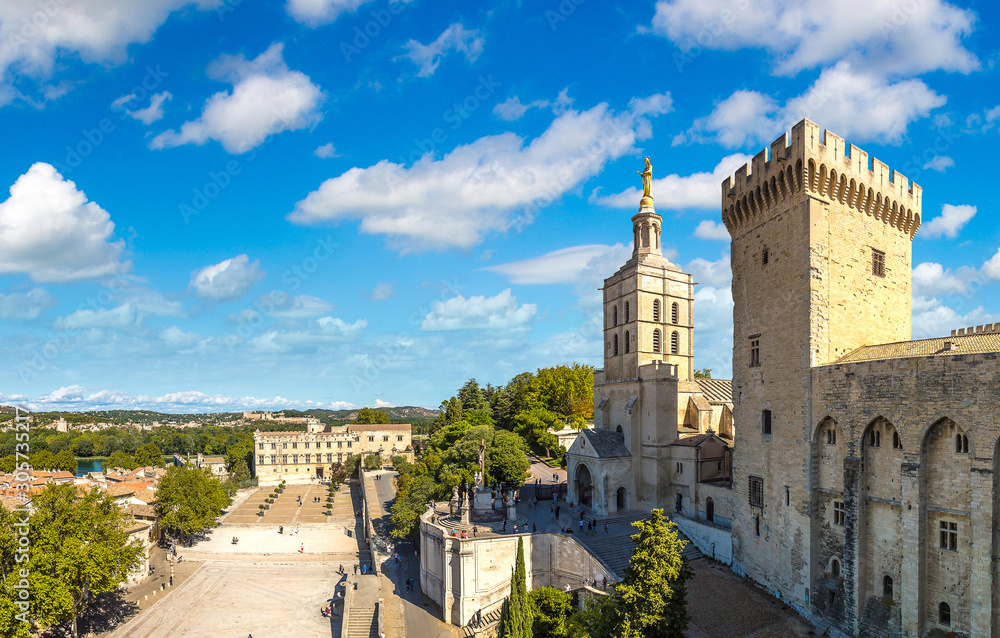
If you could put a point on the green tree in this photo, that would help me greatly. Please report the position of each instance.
(373, 462)
(516, 615)
(351, 464)
(653, 593)
(80, 548)
(65, 461)
(507, 458)
(149, 454)
(414, 492)
(704, 373)
(10, 625)
(473, 397)
(42, 460)
(120, 459)
(338, 473)
(189, 500)
(552, 609)
(372, 416)
(8, 463)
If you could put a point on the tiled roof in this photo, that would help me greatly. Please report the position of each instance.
(141, 510)
(963, 344)
(213, 459)
(693, 441)
(145, 495)
(716, 390)
(121, 490)
(607, 443)
(378, 427)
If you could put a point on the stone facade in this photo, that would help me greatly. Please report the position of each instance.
(863, 473)
(646, 399)
(304, 456)
(465, 575)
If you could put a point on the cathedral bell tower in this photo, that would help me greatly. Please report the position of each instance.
(648, 303)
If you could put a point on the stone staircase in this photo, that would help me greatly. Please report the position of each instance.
(361, 623)
(489, 621)
(616, 551)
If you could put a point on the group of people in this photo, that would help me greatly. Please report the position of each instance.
(235, 540)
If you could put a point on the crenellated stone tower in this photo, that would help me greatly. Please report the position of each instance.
(821, 259)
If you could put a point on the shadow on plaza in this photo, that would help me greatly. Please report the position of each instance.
(108, 611)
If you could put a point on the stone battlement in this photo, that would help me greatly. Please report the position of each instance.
(823, 167)
(989, 328)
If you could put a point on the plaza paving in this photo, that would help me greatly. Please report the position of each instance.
(263, 585)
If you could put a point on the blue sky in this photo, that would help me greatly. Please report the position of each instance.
(333, 203)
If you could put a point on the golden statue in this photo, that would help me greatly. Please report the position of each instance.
(647, 184)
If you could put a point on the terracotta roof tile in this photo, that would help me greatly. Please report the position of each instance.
(716, 390)
(962, 344)
(377, 427)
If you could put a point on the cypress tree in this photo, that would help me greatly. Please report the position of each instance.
(515, 615)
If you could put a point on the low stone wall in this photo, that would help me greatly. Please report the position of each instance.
(466, 575)
(713, 541)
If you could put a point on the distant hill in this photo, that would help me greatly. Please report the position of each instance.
(396, 414)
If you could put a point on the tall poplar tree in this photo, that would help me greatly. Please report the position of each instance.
(516, 615)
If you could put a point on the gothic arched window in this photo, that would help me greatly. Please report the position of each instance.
(626, 341)
(656, 310)
(675, 343)
(674, 313)
(656, 341)
(615, 349)
(626, 312)
(615, 315)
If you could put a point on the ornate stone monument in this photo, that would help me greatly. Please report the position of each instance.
(483, 504)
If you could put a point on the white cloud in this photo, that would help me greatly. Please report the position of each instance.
(326, 151)
(455, 38)
(227, 280)
(717, 274)
(154, 111)
(267, 98)
(855, 104)
(931, 279)
(476, 188)
(708, 229)
(324, 331)
(566, 265)
(79, 398)
(939, 163)
(123, 317)
(379, 403)
(316, 12)
(991, 268)
(884, 35)
(698, 190)
(25, 305)
(50, 231)
(383, 291)
(512, 109)
(713, 318)
(949, 222)
(35, 35)
(299, 307)
(931, 318)
(499, 312)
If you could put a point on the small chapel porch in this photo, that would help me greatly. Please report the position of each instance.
(599, 473)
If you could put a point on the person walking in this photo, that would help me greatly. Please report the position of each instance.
(302, 548)
(581, 526)
(355, 570)
(557, 512)
(533, 528)
(605, 529)
(475, 532)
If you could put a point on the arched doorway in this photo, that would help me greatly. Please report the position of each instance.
(584, 485)
(620, 499)
(679, 503)
(710, 510)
